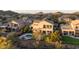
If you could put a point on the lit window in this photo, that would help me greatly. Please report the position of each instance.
(50, 26)
(44, 26)
(47, 26)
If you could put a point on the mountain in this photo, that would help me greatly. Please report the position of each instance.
(8, 12)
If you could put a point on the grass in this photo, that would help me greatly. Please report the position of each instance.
(69, 40)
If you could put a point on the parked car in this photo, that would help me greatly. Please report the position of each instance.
(26, 36)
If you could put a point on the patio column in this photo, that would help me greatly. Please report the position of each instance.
(68, 33)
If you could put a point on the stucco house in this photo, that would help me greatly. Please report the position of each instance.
(71, 29)
(13, 25)
(67, 17)
(18, 24)
(43, 26)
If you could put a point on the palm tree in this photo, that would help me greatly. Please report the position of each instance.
(53, 37)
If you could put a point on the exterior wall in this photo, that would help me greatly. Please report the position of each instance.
(13, 26)
(75, 28)
(42, 26)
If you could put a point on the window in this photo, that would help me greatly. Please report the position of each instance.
(31, 27)
(8, 25)
(15, 25)
(65, 33)
(47, 26)
(49, 32)
(13, 29)
(44, 32)
(40, 31)
(71, 33)
(76, 27)
(50, 26)
(44, 26)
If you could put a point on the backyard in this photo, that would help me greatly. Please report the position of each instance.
(69, 40)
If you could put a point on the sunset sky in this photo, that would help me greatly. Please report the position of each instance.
(45, 11)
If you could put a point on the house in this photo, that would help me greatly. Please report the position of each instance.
(64, 18)
(43, 26)
(67, 17)
(17, 24)
(71, 29)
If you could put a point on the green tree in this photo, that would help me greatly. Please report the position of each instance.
(26, 29)
(56, 16)
(54, 38)
(12, 36)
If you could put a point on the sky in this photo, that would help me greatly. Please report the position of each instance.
(45, 11)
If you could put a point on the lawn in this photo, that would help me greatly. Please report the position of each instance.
(69, 40)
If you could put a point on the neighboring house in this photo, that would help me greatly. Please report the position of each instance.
(43, 26)
(17, 24)
(13, 25)
(64, 18)
(67, 17)
(71, 29)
